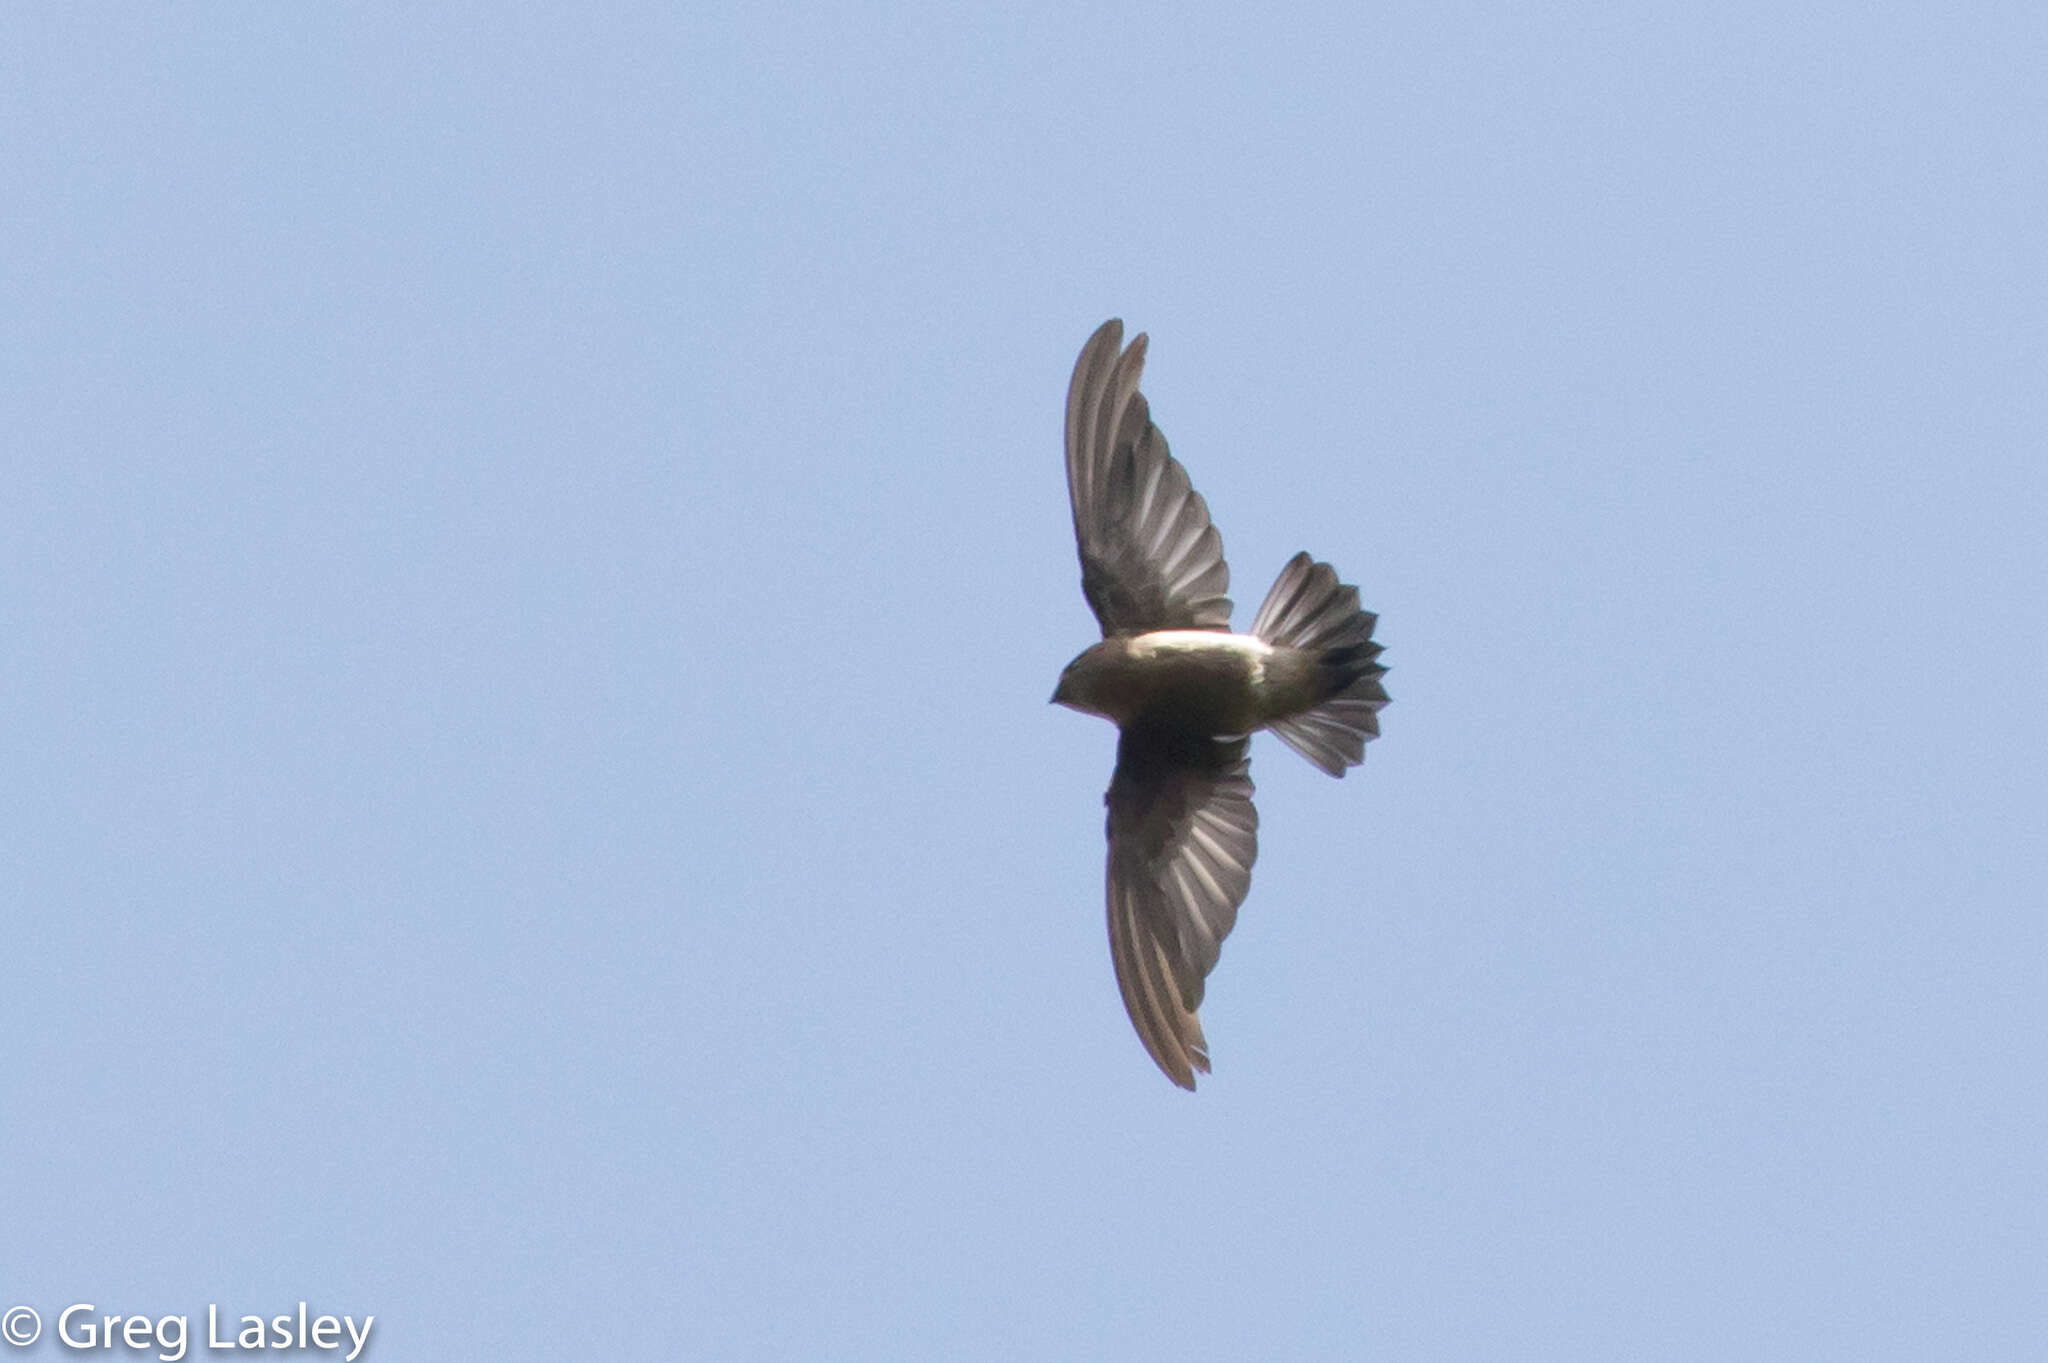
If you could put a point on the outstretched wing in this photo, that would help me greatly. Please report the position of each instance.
(1150, 559)
(1182, 838)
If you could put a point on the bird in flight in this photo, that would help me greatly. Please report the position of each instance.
(1186, 695)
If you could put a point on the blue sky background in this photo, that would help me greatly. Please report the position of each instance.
(535, 550)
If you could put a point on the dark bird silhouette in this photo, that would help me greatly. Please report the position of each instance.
(1186, 695)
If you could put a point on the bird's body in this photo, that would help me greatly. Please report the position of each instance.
(1186, 694)
(1205, 680)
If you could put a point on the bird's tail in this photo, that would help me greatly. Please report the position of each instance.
(1309, 609)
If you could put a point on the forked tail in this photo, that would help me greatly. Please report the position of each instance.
(1309, 609)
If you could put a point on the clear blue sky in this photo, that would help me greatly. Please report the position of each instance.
(534, 552)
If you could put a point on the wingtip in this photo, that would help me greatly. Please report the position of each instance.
(1110, 335)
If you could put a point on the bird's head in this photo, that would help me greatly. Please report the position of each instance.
(1082, 680)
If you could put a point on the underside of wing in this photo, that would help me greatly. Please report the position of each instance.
(1183, 834)
(1150, 559)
